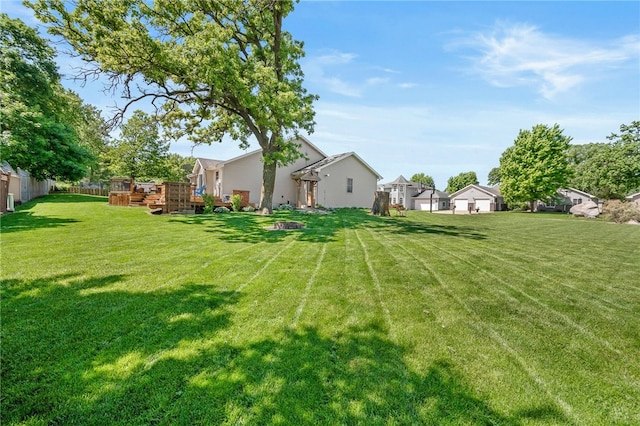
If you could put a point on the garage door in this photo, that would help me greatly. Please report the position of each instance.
(461, 205)
(483, 205)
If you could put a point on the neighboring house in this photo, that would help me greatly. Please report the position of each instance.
(343, 180)
(564, 199)
(634, 198)
(401, 191)
(477, 197)
(431, 200)
(24, 187)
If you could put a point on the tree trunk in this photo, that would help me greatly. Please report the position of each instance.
(381, 204)
(268, 184)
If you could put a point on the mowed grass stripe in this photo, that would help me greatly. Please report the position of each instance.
(598, 296)
(536, 333)
(104, 340)
(378, 288)
(536, 300)
(477, 322)
(563, 288)
(307, 289)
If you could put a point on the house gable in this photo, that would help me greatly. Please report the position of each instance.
(244, 173)
(481, 198)
(476, 190)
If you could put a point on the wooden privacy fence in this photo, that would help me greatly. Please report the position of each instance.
(177, 197)
(4, 190)
(89, 191)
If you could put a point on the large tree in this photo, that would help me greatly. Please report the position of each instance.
(456, 183)
(213, 68)
(535, 166)
(37, 130)
(423, 179)
(177, 168)
(608, 170)
(139, 152)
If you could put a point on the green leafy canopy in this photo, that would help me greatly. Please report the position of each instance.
(211, 68)
(37, 115)
(535, 166)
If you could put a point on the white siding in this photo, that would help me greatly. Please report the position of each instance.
(245, 174)
(332, 189)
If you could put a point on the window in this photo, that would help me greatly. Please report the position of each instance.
(349, 185)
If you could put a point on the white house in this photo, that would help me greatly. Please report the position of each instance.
(401, 191)
(477, 197)
(634, 198)
(564, 199)
(431, 200)
(343, 180)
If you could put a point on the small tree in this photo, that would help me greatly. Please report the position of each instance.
(140, 152)
(209, 202)
(536, 166)
(423, 179)
(456, 183)
(493, 178)
(236, 202)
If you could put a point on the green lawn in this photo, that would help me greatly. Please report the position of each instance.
(111, 315)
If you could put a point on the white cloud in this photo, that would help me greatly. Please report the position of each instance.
(340, 73)
(374, 81)
(443, 140)
(321, 71)
(520, 54)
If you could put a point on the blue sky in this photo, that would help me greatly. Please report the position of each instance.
(444, 87)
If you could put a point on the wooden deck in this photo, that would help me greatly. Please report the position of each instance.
(170, 197)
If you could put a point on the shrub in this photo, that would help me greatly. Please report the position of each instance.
(209, 202)
(236, 202)
(287, 207)
(620, 211)
(221, 210)
(248, 209)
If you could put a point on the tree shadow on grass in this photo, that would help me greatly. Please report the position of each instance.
(71, 344)
(26, 220)
(425, 229)
(85, 351)
(320, 228)
(63, 197)
(252, 228)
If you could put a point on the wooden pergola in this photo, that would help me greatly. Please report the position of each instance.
(307, 183)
